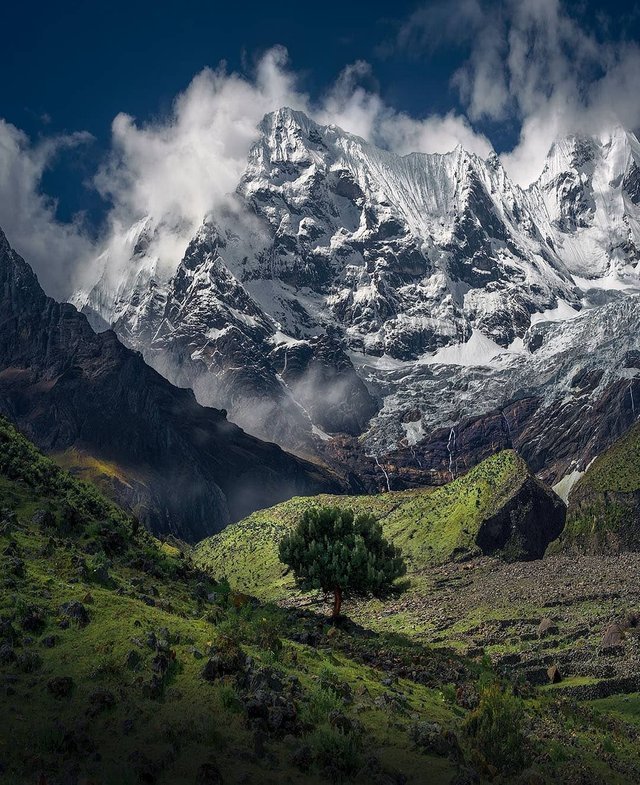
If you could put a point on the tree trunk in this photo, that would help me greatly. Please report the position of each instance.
(337, 602)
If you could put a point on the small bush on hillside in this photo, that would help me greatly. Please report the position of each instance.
(338, 755)
(496, 731)
(319, 704)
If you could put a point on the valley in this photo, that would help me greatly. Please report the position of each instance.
(320, 393)
(152, 634)
(124, 660)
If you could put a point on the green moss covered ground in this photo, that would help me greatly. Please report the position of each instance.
(431, 525)
(123, 662)
(104, 635)
(604, 505)
(618, 468)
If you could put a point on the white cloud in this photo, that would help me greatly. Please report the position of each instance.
(527, 63)
(182, 167)
(28, 217)
(532, 63)
(440, 23)
(361, 111)
(434, 134)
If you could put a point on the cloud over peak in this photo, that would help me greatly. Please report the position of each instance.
(532, 64)
(28, 216)
(529, 65)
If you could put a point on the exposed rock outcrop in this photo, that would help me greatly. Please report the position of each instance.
(525, 524)
(604, 505)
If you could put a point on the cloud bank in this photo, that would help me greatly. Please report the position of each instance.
(527, 64)
(56, 250)
(531, 64)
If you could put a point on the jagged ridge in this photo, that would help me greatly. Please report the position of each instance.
(392, 275)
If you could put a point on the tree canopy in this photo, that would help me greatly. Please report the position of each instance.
(334, 551)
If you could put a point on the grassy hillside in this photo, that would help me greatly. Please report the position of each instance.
(431, 525)
(604, 505)
(617, 469)
(122, 663)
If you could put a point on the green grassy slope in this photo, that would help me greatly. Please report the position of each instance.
(604, 505)
(431, 525)
(618, 468)
(111, 691)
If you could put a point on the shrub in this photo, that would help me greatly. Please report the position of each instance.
(320, 702)
(338, 755)
(496, 730)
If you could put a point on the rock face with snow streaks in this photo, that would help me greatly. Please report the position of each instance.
(421, 309)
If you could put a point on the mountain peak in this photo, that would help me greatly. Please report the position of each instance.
(286, 135)
(401, 257)
(287, 121)
(581, 153)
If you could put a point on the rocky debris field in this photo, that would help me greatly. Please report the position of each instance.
(568, 621)
(568, 624)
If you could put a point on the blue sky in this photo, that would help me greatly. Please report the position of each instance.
(76, 65)
(82, 63)
(91, 90)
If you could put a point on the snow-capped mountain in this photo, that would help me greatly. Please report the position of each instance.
(590, 189)
(350, 291)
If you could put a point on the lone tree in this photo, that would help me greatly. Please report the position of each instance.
(333, 550)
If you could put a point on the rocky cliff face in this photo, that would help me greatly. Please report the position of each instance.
(525, 525)
(559, 405)
(183, 468)
(401, 316)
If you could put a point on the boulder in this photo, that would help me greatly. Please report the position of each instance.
(223, 663)
(132, 660)
(74, 611)
(430, 737)
(43, 519)
(553, 673)
(100, 700)
(60, 686)
(547, 627)
(613, 636)
(33, 619)
(49, 641)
